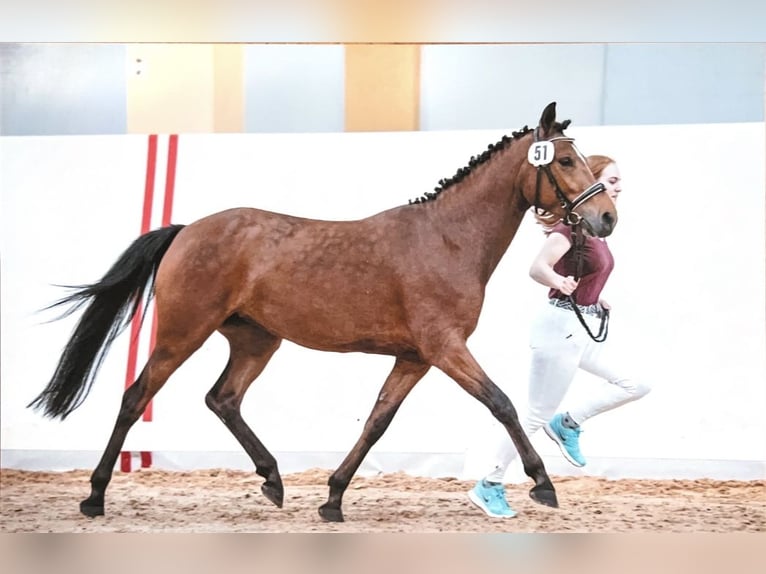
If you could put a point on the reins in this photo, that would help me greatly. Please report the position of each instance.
(574, 221)
(578, 242)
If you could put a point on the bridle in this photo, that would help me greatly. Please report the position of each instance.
(574, 221)
(570, 217)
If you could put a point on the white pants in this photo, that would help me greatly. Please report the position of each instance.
(559, 347)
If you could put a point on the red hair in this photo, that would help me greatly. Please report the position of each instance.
(598, 163)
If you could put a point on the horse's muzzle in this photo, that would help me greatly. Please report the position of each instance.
(608, 223)
(599, 225)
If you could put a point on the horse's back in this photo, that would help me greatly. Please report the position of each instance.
(256, 231)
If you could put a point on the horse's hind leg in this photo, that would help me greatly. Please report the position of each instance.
(399, 383)
(251, 348)
(165, 359)
(457, 362)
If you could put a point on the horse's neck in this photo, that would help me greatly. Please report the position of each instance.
(483, 212)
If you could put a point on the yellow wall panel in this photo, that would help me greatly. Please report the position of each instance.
(229, 92)
(170, 88)
(382, 87)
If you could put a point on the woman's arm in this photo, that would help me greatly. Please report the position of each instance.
(553, 249)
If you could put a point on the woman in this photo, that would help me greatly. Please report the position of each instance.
(560, 345)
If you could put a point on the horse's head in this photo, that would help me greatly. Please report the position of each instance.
(559, 181)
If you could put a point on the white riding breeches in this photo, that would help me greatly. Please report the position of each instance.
(559, 346)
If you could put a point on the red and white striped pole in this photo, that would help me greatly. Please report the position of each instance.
(146, 226)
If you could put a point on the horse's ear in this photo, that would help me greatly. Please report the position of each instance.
(548, 118)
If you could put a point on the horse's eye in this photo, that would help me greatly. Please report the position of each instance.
(566, 161)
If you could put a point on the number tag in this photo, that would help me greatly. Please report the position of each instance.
(540, 153)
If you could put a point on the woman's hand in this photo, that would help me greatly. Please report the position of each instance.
(604, 304)
(567, 285)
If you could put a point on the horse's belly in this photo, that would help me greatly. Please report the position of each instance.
(359, 321)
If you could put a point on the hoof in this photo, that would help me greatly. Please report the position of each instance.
(90, 509)
(331, 514)
(274, 492)
(546, 496)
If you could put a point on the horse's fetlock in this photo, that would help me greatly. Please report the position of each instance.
(335, 482)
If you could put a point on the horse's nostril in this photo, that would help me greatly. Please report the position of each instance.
(608, 218)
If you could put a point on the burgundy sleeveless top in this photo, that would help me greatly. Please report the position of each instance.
(597, 265)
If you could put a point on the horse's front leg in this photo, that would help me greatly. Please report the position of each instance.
(399, 383)
(456, 361)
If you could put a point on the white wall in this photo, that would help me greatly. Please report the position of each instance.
(687, 292)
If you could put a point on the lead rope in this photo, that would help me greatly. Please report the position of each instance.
(579, 244)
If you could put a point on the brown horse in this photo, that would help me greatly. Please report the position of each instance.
(408, 282)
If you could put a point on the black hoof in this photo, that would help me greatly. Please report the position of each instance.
(331, 514)
(546, 496)
(274, 492)
(91, 509)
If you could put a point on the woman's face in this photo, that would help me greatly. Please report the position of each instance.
(611, 179)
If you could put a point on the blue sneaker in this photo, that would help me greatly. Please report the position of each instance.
(568, 440)
(491, 499)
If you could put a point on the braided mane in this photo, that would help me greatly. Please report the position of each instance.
(475, 161)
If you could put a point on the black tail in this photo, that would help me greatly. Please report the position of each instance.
(112, 304)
